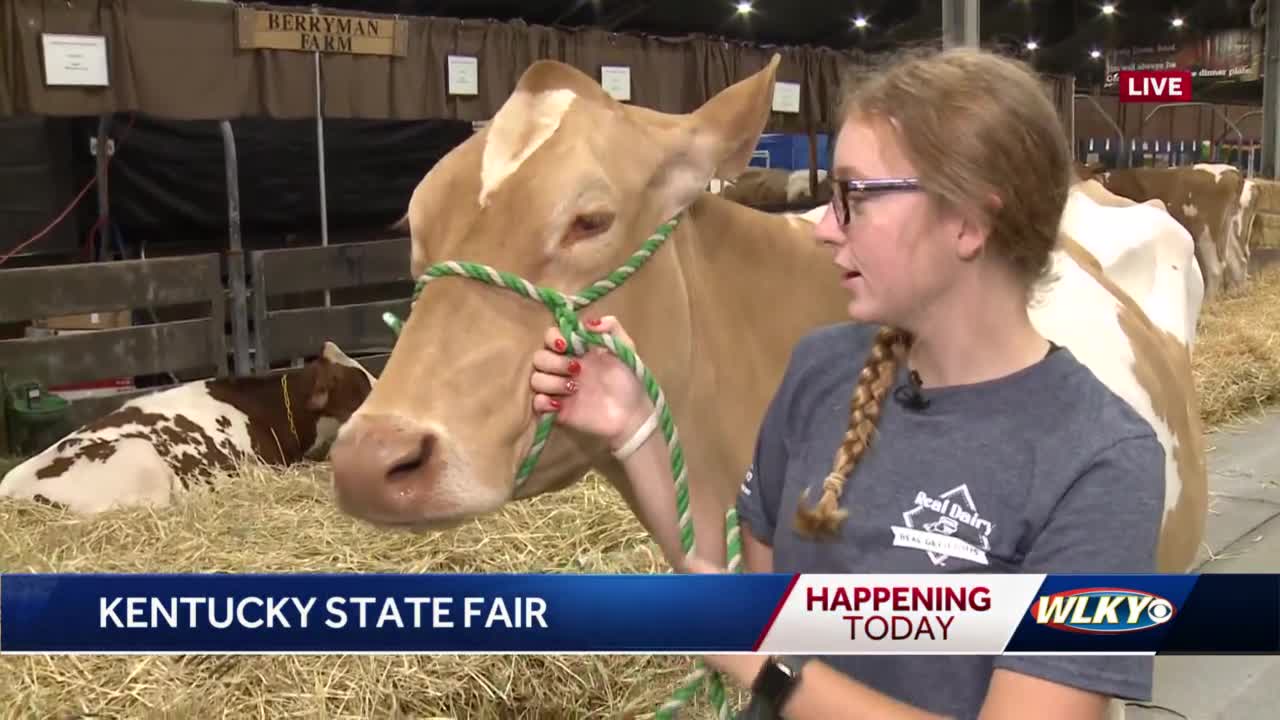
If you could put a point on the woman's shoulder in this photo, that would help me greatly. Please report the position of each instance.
(1096, 429)
(1089, 405)
(844, 341)
(823, 365)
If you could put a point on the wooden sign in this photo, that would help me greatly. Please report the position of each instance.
(314, 32)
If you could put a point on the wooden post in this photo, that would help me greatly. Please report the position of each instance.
(6, 449)
(1271, 94)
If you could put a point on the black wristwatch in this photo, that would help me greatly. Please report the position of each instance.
(773, 686)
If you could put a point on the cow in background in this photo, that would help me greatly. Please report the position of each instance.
(1214, 202)
(153, 447)
(770, 188)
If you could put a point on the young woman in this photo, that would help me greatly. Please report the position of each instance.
(952, 172)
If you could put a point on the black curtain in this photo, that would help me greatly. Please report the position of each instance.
(168, 179)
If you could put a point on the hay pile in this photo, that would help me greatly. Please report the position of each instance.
(586, 529)
(1236, 361)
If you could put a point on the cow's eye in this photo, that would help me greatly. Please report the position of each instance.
(588, 225)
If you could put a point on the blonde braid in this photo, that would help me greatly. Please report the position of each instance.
(874, 381)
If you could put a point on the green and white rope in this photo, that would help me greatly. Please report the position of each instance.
(563, 307)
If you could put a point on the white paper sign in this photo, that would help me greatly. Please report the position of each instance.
(616, 80)
(786, 97)
(75, 59)
(464, 75)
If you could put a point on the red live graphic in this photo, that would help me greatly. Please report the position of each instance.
(1145, 86)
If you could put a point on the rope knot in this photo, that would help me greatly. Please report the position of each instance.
(833, 482)
(567, 321)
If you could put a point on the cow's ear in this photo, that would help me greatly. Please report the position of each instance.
(717, 139)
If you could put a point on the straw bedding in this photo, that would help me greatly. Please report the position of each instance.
(584, 529)
(1236, 360)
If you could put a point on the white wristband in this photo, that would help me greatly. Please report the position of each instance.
(638, 438)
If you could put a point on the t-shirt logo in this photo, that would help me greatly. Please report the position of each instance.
(945, 527)
(746, 482)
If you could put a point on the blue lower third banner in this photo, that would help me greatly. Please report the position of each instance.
(649, 614)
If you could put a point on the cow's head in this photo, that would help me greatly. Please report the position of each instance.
(334, 386)
(560, 188)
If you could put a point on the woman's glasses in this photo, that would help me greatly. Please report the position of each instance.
(842, 189)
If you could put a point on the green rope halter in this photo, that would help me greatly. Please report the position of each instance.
(564, 308)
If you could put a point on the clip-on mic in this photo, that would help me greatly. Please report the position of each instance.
(909, 395)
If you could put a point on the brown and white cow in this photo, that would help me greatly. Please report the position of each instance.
(1214, 202)
(561, 188)
(153, 447)
(768, 188)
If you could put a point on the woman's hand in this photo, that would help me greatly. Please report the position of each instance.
(597, 393)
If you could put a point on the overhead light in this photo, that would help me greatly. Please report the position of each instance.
(1177, 22)
(1108, 9)
(860, 22)
(744, 8)
(1095, 54)
(1032, 45)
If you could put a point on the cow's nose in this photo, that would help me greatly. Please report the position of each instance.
(385, 470)
(409, 453)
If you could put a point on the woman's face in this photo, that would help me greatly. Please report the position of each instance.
(894, 254)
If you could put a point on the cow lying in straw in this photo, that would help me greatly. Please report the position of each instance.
(153, 447)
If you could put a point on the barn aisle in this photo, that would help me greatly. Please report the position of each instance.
(1242, 536)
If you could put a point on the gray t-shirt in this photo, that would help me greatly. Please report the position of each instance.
(1057, 474)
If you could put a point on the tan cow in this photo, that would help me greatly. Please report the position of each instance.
(561, 188)
(1214, 202)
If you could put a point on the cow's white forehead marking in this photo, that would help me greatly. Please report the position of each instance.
(1216, 169)
(522, 125)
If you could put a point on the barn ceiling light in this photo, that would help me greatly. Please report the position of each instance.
(1177, 22)
(1108, 9)
(744, 8)
(859, 22)
(1032, 45)
(1095, 54)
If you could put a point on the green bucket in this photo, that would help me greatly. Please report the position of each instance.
(31, 413)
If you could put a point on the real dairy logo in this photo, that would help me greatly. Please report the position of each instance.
(1155, 86)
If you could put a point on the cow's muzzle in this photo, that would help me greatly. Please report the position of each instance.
(388, 471)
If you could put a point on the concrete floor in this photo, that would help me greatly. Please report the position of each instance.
(1242, 536)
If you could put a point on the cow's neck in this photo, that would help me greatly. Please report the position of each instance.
(297, 432)
(757, 278)
(263, 401)
(755, 284)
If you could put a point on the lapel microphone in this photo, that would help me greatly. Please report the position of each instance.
(909, 395)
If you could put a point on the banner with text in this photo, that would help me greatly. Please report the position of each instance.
(640, 614)
(1221, 55)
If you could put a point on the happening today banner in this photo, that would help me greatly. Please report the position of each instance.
(639, 614)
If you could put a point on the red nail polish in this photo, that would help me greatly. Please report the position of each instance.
(555, 403)
(594, 322)
(575, 367)
(560, 345)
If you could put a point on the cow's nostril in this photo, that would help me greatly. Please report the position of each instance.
(404, 467)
